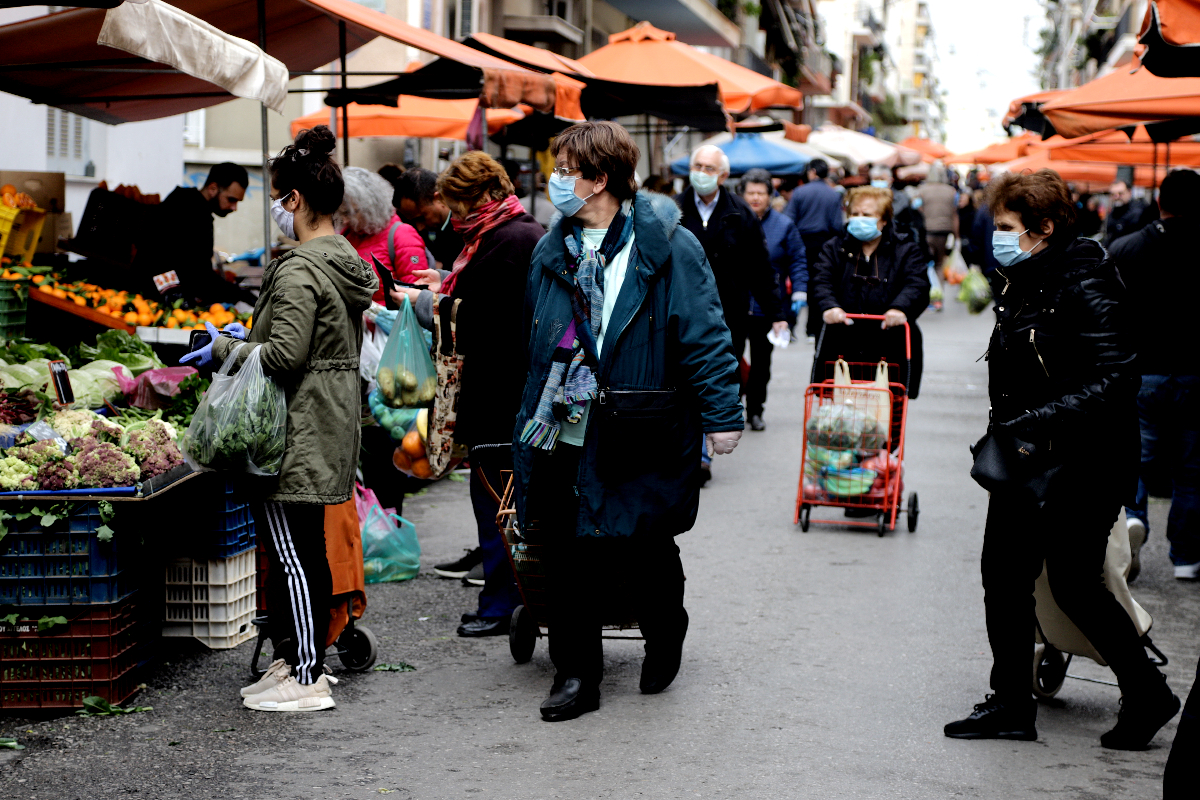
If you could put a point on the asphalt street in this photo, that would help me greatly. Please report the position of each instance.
(818, 665)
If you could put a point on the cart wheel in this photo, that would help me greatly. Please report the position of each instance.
(256, 671)
(1049, 670)
(805, 514)
(883, 523)
(357, 648)
(522, 635)
(914, 511)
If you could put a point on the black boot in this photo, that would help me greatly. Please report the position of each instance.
(662, 660)
(569, 700)
(1142, 713)
(995, 718)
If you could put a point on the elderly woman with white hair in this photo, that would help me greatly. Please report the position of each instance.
(939, 204)
(373, 229)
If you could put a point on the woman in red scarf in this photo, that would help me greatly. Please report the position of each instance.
(489, 278)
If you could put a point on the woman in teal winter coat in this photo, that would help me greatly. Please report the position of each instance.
(629, 362)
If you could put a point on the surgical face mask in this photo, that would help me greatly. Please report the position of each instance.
(880, 184)
(917, 202)
(446, 224)
(1006, 247)
(864, 228)
(286, 220)
(562, 195)
(703, 183)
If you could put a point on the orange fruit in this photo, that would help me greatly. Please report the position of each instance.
(59, 293)
(131, 318)
(47, 289)
(172, 322)
(144, 320)
(80, 301)
(8, 188)
(39, 278)
(401, 460)
(412, 444)
(421, 468)
(216, 308)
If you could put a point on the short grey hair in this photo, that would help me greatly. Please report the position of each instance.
(367, 204)
(937, 173)
(720, 152)
(756, 175)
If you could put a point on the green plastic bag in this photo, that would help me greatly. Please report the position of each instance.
(391, 551)
(975, 291)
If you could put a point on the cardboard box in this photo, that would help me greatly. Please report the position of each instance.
(49, 191)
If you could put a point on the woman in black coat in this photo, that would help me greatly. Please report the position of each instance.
(489, 277)
(1063, 386)
(869, 269)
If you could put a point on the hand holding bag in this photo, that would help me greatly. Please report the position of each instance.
(1006, 463)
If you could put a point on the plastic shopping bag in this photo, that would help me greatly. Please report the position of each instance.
(241, 422)
(976, 292)
(406, 377)
(391, 551)
(874, 398)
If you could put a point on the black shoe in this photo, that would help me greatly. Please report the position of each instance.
(459, 569)
(569, 701)
(1140, 717)
(997, 719)
(475, 576)
(469, 616)
(756, 423)
(705, 473)
(661, 664)
(484, 626)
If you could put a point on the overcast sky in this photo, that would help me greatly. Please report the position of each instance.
(986, 61)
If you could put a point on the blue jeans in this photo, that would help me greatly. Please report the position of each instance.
(1169, 416)
(500, 594)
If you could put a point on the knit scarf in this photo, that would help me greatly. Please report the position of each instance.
(480, 221)
(571, 383)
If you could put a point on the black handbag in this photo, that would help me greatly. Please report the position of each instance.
(1006, 464)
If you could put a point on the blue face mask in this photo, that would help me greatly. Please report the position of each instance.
(864, 228)
(1006, 247)
(703, 183)
(562, 195)
(917, 202)
(881, 184)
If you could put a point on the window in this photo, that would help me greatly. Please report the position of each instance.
(560, 9)
(67, 142)
(466, 19)
(193, 128)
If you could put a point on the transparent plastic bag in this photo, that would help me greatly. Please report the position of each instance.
(391, 551)
(241, 422)
(841, 426)
(976, 292)
(406, 377)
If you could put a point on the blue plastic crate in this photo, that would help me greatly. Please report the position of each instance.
(226, 544)
(62, 565)
(233, 520)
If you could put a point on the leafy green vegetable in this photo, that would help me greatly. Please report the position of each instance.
(99, 707)
(119, 346)
(241, 427)
(401, 667)
(8, 743)
(46, 623)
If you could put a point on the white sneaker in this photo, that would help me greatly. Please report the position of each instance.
(1137, 538)
(1187, 572)
(291, 695)
(270, 679)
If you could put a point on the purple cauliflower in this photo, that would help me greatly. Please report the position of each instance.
(104, 465)
(54, 476)
(151, 446)
(38, 453)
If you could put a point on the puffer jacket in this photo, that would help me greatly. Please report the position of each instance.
(1062, 358)
(666, 332)
(406, 243)
(308, 324)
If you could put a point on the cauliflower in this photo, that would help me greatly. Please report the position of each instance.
(101, 432)
(54, 476)
(151, 445)
(16, 475)
(38, 453)
(103, 465)
(73, 424)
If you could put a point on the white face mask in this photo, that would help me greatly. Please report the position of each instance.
(286, 220)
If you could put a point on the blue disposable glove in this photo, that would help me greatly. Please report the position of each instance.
(235, 329)
(204, 356)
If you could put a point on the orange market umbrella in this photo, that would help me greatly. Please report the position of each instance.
(998, 153)
(1171, 33)
(646, 55)
(1077, 171)
(417, 117)
(1115, 147)
(930, 151)
(1123, 98)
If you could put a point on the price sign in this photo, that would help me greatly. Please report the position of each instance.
(165, 281)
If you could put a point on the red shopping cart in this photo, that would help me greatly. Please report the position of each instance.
(852, 455)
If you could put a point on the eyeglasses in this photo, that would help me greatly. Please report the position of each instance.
(563, 172)
(707, 170)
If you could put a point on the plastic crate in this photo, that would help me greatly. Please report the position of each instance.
(62, 565)
(20, 230)
(95, 653)
(228, 532)
(10, 300)
(211, 600)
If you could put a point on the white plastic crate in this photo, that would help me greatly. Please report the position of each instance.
(214, 601)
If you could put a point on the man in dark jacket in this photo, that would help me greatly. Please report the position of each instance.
(816, 210)
(1126, 216)
(628, 374)
(1161, 255)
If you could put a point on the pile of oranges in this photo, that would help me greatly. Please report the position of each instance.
(132, 309)
(14, 199)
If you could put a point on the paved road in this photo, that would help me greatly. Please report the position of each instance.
(819, 665)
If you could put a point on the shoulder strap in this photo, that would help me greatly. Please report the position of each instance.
(392, 245)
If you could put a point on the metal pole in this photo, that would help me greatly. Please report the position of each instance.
(266, 145)
(345, 108)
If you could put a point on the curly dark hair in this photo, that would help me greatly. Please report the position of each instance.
(307, 166)
(1035, 198)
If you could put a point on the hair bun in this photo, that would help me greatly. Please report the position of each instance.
(318, 141)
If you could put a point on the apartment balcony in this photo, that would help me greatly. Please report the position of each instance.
(692, 21)
(541, 28)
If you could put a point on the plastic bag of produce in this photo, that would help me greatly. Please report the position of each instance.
(976, 292)
(241, 423)
(391, 551)
(845, 426)
(848, 482)
(406, 377)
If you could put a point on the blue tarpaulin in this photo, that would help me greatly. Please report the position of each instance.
(749, 150)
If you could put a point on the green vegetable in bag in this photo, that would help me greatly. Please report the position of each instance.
(406, 377)
(975, 291)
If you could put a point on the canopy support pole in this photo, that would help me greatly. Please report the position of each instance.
(345, 108)
(266, 146)
(1154, 177)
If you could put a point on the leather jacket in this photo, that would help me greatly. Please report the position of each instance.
(1061, 361)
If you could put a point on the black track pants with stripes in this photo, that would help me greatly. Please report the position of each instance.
(299, 586)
